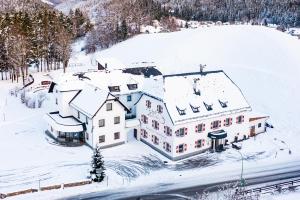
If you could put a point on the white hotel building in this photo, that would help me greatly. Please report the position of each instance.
(178, 115)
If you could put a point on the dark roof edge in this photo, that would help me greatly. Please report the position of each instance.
(193, 73)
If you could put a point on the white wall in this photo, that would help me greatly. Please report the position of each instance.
(130, 104)
(63, 102)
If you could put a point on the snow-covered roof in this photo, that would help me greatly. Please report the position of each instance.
(193, 94)
(111, 63)
(89, 100)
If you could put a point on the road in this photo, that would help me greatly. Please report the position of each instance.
(168, 191)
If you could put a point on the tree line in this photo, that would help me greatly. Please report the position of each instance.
(41, 39)
(280, 12)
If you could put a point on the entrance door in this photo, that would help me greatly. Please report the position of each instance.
(252, 131)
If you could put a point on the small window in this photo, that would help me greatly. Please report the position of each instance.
(259, 125)
(87, 136)
(148, 104)
(155, 140)
(101, 123)
(51, 129)
(155, 124)
(159, 109)
(195, 109)
(132, 86)
(101, 138)
(168, 131)
(207, 106)
(129, 98)
(117, 120)
(227, 121)
(86, 120)
(144, 119)
(167, 147)
(56, 101)
(215, 124)
(109, 106)
(181, 132)
(181, 148)
(240, 119)
(114, 88)
(144, 133)
(181, 111)
(223, 104)
(199, 143)
(78, 115)
(200, 128)
(117, 135)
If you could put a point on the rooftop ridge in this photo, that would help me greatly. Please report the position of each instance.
(193, 73)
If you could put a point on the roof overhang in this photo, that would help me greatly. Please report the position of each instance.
(67, 124)
(217, 134)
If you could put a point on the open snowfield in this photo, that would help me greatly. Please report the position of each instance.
(263, 62)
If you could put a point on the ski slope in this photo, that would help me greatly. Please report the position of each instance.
(263, 62)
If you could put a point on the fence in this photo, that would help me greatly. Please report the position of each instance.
(52, 187)
(279, 187)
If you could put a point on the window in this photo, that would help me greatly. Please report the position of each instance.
(144, 133)
(117, 135)
(181, 148)
(195, 109)
(199, 143)
(181, 132)
(159, 109)
(167, 130)
(114, 88)
(240, 119)
(180, 111)
(223, 104)
(56, 101)
(61, 134)
(227, 121)
(101, 138)
(200, 128)
(129, 98)
(144, 119)
(87, 136)
(167, 147)
(259, 125)
(86, 120)
(51, 129)
(78, 115)
(117, 120)
(155, 124)
(155, 140)
(148, 104)
(109, 106)
(132, 86)
(207, 106)
(101, 122)
(215, 124)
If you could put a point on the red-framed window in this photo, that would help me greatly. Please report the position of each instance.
(167, 147)
(155, 140)
(199, 143)
(144, 133)
(181, 132)
(240, 119)
(167, 131)
(159, 109)
(228, 121)
(200, 128)
(155, 124)
(144, 119)
(215, 124)
(181, 148)
(148, 103)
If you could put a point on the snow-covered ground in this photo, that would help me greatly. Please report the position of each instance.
(262, 61)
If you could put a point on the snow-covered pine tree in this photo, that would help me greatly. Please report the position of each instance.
(97, 172)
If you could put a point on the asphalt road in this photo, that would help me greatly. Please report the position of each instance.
(164, 192)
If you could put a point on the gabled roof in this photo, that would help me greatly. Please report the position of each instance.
(90, 100)
(199, 90)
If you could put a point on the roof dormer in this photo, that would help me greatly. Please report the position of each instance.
(114, 88)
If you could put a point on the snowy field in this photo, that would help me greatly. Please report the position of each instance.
(263, 62)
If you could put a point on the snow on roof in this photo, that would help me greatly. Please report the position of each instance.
(89, 100)
(216, 91)
(111, 63)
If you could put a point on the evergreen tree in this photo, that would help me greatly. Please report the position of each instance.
(97, 172)
(124, 30)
